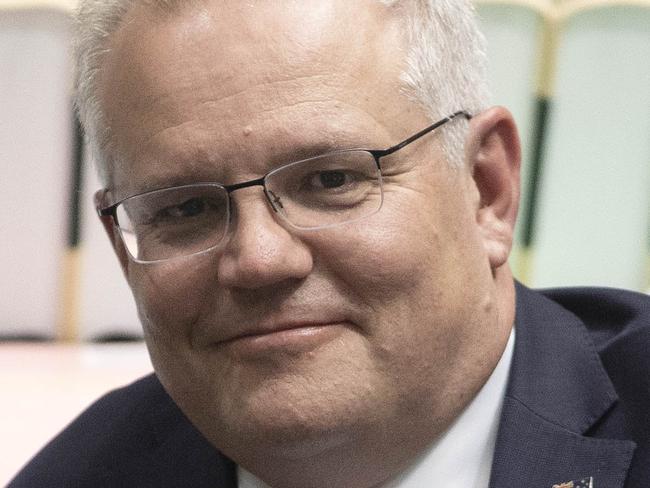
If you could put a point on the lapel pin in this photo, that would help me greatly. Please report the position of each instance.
(583, 483)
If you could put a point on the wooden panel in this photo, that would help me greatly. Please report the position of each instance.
(594, 208)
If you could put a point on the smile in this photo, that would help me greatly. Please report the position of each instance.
(292, 339)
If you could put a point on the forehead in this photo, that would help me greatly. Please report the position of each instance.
(197, 78)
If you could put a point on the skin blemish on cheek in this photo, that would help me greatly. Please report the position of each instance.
(248, 130)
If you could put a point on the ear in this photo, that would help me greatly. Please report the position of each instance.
(100, 200)
(494, 157)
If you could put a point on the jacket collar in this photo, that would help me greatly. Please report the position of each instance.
(558, 389)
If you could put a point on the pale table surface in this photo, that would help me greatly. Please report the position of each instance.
(45, 386)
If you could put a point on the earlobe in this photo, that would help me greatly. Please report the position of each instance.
(112, 232)
(494, 156)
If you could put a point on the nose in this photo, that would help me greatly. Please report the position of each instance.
(260, 251)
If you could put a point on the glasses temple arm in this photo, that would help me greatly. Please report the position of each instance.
(414, 137)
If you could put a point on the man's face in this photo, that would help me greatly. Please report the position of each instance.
(299, 342)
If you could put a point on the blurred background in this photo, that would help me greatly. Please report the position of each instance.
(575, 74)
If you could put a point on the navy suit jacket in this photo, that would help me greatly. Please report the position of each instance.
(577, 405)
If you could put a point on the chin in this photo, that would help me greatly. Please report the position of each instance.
(292, 405)
(292, 416)
(291, 438)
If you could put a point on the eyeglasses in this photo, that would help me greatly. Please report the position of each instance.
(323, 191)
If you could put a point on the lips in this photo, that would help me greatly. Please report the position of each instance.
(240, 325)
(284, 337)
(275, 329)
(281, 328)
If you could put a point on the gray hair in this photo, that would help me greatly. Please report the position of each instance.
(445, 65)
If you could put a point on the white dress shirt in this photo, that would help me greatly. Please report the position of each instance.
(462, 456)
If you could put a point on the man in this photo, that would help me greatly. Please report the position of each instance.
(324, 305)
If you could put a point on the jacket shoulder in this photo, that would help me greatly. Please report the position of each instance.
(618, 321)
(120, 439)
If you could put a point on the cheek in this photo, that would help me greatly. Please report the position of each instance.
(389, 274)
(383, 259)
(412, 269)
(171, 297)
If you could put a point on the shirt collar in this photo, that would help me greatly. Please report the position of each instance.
(462, 455)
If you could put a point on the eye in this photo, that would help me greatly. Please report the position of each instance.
(189, 208)
(331, 179)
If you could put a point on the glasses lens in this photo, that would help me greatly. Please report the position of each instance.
(327, 190)
(174, 222)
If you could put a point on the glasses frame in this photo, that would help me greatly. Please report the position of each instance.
(110, 211)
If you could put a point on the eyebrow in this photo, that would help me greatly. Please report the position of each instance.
(198, 172)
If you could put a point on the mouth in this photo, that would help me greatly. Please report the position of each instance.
(284, 338)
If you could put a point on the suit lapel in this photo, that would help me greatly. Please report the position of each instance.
(531, 451)
(557, 390)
